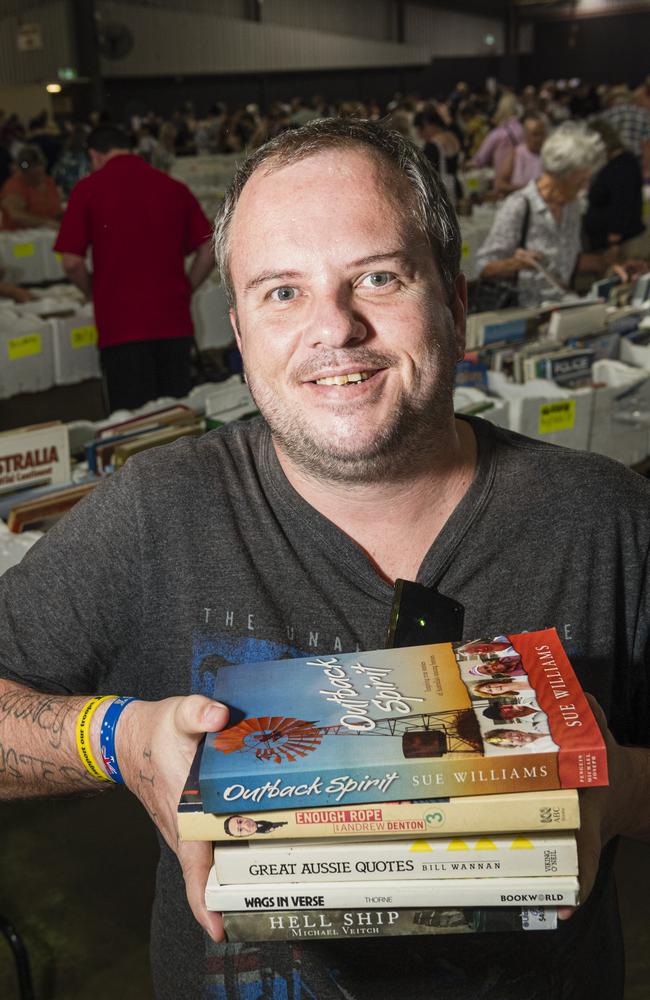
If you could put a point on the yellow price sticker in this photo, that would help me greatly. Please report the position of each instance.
(465, 250)
(59, 256)
(83, 336)
(24, 347)
(24, 249)
(472, 183)
(557, 416)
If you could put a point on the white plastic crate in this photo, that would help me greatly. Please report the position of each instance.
(621, 420)
(230, 400)
(76, 356)
(23, 255)
(52, 266)
(26, 355)
(540, 409)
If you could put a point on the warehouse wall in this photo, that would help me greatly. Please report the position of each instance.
(293, 34)
(595, 49)
(374, 19)
(39, 65)
(447, 33)
(178, 42)
(26, 99)
(580, 7)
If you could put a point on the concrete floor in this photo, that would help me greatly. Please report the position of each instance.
(76, 879)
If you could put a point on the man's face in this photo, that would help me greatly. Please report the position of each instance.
(348, 342)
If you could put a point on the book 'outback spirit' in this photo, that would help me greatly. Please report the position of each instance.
(501, 715)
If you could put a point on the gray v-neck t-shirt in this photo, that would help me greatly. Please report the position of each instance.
(202, 553)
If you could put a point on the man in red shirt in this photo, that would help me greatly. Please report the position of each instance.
(141, 226)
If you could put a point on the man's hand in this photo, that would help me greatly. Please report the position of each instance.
(618, 808)
(155, 744)
(77, 272)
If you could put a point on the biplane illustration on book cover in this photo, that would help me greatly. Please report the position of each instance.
(482, 717)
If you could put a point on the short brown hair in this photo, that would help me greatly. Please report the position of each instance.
(431, 207)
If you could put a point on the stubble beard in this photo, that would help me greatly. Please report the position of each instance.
(400, 446)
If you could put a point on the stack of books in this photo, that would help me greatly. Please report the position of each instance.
(422, 790)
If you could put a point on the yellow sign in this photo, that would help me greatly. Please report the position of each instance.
(24, 249)
(472, 183)
(465, 250)
(557, 416)
(83, 336)
(23, 347)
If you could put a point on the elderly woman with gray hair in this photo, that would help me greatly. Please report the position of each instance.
(535, 238)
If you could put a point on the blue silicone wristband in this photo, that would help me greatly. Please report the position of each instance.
(107, 738)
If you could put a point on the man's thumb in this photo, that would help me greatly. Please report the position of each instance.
(198, 714)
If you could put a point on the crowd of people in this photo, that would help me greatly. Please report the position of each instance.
(564, 166)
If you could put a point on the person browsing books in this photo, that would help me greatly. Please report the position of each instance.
(535, 239)
(150, 243)
(283, 536)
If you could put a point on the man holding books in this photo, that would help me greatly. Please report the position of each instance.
(283, 537)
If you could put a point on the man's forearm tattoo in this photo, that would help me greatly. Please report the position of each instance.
(48, 712)
(146, 784)
(35, 771)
